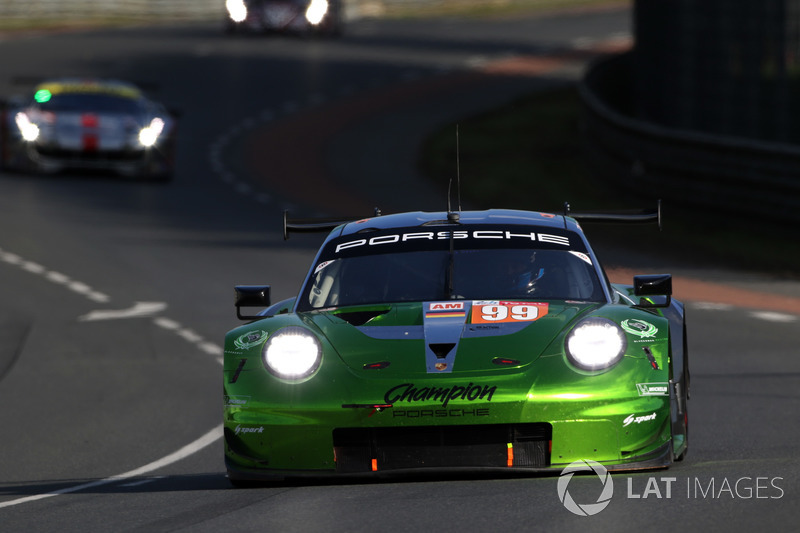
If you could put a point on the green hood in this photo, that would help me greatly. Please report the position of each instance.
(432, 338)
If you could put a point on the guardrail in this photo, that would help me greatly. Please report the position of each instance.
(72, 10)
(91, 9)
(688, 168)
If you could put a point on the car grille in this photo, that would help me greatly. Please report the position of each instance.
(498, 445)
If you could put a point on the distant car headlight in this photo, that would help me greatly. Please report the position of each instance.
(28, 130)
(292, 353)
(149, 134)
(316, 11)
(595, 343)
(237, 10)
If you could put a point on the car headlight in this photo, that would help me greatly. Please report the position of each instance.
(149, 134)
(237, 10)
(316, 11)
(292, 353)
(595, 343)
(28, 130)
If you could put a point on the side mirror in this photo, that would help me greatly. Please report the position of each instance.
(653, 285)
(251, 296)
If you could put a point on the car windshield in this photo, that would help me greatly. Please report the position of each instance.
(468, 274)
(91, 103)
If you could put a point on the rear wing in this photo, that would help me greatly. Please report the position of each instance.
(316, 225)
(641, 216)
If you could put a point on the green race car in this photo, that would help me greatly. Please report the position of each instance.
(477, 339)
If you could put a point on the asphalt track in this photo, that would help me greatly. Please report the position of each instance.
(116, 294)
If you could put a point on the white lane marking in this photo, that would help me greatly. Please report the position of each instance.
(54, 277)
(33, 268)
(769, 316)
(138, 310)
(189, 336)
(148, 308)
(8, 257)
(772, 316)
(582, 43)
(711, 306)
(166, 323)
(190, 449)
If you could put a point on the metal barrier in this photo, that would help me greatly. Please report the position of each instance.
(92, 9)
(688, 168)
(183, 9)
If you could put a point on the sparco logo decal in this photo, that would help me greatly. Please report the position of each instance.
(442, 235)
(407, 392)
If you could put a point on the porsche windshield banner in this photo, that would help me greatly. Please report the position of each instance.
(399, 240)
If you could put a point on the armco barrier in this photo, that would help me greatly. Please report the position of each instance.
(685, 167)
(88, 10)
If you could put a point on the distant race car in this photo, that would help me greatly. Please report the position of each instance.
(88, 124)
(479, 339)
(285, 16)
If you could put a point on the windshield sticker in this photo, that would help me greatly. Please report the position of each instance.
(321, 266)
(582, 256)
(497, 312)
(505, 235)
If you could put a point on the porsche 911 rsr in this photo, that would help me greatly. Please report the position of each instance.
(483, 339)
(285, 16)
(89, 124)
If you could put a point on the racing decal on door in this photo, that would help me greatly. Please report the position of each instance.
(495, 312)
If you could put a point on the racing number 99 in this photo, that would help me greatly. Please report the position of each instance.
(499, 313)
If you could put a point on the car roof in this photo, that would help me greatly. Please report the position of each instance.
(90, 86)
(499, 217)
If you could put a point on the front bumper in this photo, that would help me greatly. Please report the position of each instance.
(263, 443)
(130, 162)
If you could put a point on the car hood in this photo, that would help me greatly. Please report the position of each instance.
(446, 337)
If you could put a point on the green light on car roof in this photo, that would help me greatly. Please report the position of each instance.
(42, 96)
